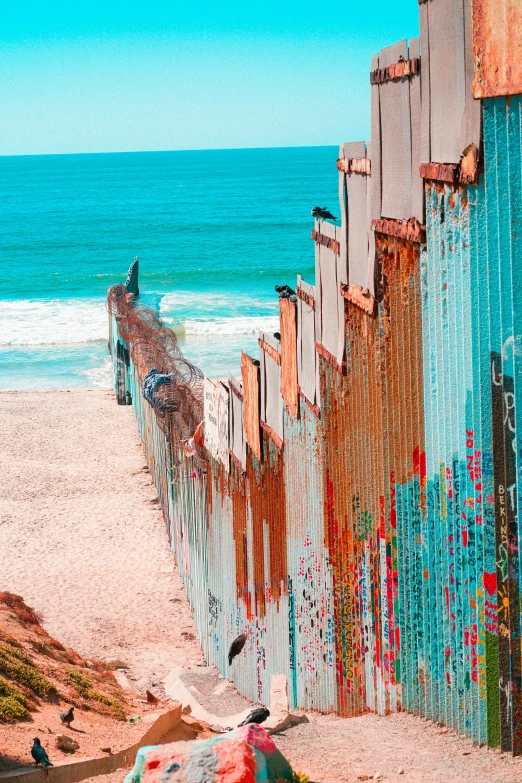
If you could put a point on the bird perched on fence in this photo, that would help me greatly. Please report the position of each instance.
(39, 755)
(277, 335)
(284, 291)
(259, 715)
(236, 647)
(322, 213)
(67, 717)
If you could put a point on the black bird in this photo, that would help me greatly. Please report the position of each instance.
(284, 290)
(277, 335)
(67, 717)
(39, 755)
(258, 715)
(236, 647)
(322, 213)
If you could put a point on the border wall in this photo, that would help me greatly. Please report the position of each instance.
(352, 506)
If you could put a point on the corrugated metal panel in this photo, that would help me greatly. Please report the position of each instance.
(417, 183)
(250, 376)
(236, 416)
(357, 206)
(329, 302)
(273, 413)
(455, 118)
(376, 203)
(288, 319)
(306, 337)
(370, 184)
(395, 138)
(497, 47)
(312, 644)
(503, 213)
(374, 558)
(425, 131)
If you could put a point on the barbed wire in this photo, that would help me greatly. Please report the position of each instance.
(170, 383)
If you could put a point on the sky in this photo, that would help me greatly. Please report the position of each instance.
(107, 75)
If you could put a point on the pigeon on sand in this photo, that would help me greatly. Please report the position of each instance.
(67, 717)
(259, 715)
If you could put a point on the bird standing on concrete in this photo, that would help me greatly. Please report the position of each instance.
(236, 647)
(322, 213)
(39, 755)
(67, 717)
(259, 715)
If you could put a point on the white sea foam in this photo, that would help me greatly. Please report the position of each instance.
(34, 322)
(187, 302)
(48, 322)
(99, 377)
(232, 326)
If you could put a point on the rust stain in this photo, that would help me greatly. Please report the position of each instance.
(314, 408)
(497, 47)
(306, 298)
(355, 165)
(271, 434)
(440, 172)
(266, 488)
(464, 172)
(330, 358)
(396, 71)
(239, 524)
(328, 242)
(250, 376)
(257, 545)
(236, 462)
(270, 350)
(288, 327)
(405, 229)
(469, 166)
(359, 296)
(235, 390)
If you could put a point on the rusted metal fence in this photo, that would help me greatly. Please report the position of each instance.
(353, 504)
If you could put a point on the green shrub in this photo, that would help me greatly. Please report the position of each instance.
(79, 681)
(20, 668)
(92, 694)
(9, 690)
(15, 651)
(12, 709)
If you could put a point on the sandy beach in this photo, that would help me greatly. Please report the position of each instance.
(81, 534)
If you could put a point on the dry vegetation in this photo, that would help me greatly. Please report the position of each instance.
(35, 668)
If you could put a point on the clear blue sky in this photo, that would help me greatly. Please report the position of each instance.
(106, 75)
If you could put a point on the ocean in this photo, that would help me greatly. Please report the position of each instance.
(215, 231)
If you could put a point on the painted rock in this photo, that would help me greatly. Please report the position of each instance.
(245, 755)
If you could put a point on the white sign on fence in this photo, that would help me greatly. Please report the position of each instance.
(216, 420)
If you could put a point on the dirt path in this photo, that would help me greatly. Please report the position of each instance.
(335, 750)
(81, 535)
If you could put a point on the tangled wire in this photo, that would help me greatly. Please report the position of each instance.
(170, 383)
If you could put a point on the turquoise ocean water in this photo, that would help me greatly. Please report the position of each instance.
(214, 230)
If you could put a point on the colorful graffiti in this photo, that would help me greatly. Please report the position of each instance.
(371, 554)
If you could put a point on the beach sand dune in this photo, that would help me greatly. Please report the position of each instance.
(82, 538)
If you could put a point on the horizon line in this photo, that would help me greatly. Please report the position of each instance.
(152, 152)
